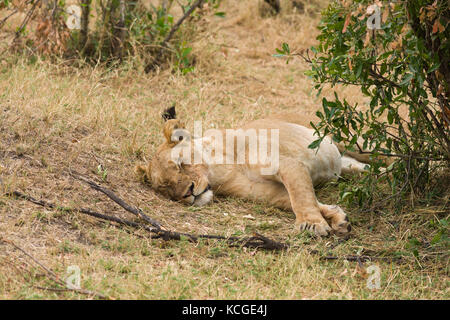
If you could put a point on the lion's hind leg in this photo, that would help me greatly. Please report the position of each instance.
(336, 217)
(350, 165)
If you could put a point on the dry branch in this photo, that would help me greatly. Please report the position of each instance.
(117, 200)
(164, 44)
(26, 20)
(52, 275)
(3, 21)
(88, 212)
(256, 241)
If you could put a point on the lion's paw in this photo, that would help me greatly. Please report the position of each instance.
(319, 228)
(337, 219)
(341, 227)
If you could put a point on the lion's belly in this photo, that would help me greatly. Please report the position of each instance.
(324, 164)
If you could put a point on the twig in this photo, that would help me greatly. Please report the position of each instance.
(177, 25)
(355, 258)
(120, 31)
(26, 19)
(3, 21)
(169, 36)
(256, 241)
(56, 278)
(117, 200)
(80, 210)
(52, 275)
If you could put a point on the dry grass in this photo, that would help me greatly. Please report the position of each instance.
(55, 118)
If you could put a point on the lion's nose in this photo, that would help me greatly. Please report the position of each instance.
(190, 192)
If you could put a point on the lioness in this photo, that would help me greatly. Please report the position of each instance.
(290, 186)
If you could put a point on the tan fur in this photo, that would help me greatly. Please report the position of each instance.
(291, 187)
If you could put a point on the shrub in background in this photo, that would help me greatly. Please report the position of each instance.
(108, 31)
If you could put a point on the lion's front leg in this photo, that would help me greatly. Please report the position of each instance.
(297, 181)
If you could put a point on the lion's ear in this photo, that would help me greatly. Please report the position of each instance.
(170, 113)
(173, 131)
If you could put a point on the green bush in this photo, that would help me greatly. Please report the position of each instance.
(398, 53)
(109, 31)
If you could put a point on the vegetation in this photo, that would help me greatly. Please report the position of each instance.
(102, 118)
(109, 31)
(397, 54)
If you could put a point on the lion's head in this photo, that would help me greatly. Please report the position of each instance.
(173, 177)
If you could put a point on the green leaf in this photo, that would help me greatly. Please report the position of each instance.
(359, 70)
(407, 79)
(390, 117)
(346, 195)
(315, 144)
(286, 49)
(434, 67)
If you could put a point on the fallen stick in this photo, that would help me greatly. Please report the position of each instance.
(3, 21)
(355, 258)
(262, 242)
(256, 241)
(117, 200)
(80, 210)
